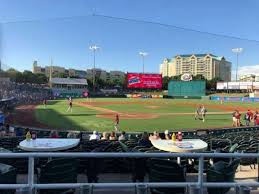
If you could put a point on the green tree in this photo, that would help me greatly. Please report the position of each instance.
(198, 77)
(210, 84)
(41, 79)
(61, 75)
(165, 82)
(177, 77)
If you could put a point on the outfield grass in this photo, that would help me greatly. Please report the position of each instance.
(83, 118)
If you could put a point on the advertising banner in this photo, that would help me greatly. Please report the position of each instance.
(139, 80)
(233, 85)
(245, 85)
(256, 85)
(222, 85)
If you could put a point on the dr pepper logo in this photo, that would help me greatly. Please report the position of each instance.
(134, 80)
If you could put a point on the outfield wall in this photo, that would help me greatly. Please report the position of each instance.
(186, 89)
(234, 99)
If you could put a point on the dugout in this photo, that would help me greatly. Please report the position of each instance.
(186, 89)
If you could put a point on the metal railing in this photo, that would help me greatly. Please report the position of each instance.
(194, 187)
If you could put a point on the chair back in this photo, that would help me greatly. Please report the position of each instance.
(7, 176)
(165, 170)
(61, 170)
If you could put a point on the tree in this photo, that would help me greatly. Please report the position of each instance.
(212, 83)
(28, 77)
(62, 75)
(177, 77)
(198, 77)
(165, 82)
(41, 79)
(90, 84)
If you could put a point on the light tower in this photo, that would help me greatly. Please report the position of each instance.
(143, 55)
(94, 48)
(237, 51)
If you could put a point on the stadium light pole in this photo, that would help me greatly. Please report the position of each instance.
(237, 51)
(143, 55)
(94, 48)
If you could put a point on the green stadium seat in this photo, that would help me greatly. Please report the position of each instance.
(61, 170)
(164, 170)
(222, 172)
(7, 176)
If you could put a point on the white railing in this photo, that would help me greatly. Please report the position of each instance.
(194, 187)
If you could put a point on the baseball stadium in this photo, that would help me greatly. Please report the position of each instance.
(182, 117)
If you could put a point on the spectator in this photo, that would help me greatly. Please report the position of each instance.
(155, 136)
(72, 135)
(122, 136)
(104, 136)
(94, 136)
(144, 141)
(112, 136)
(11, 132)
(54, 134)
(2, 130)
(167, 136)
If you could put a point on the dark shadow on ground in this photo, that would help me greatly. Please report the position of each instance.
(55, 120)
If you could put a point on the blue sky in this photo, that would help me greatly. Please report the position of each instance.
(68, 40)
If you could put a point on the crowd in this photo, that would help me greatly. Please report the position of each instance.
(7, 131)
(249, 117)
(22, 93)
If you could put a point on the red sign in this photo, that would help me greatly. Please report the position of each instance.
(140, 80)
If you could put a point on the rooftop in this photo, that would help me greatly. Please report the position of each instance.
(198, 55)
(72, 81)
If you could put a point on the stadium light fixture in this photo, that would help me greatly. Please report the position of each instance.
(94, 48)
(237, 51)
(143, 55)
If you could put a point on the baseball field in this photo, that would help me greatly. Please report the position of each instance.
(135, 114)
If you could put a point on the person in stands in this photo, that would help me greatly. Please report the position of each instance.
(94, 136)
(54, 134)
(11, 132)
(155, 136)
(144, 141)
(104, 136)
(122, 136)
(112, 136)
(2, 130)
(167, 136)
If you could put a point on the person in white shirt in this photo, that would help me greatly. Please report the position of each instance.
(122, 136)
(94, 136)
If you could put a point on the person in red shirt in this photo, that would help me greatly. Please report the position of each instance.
(256, 118)
(54, 134)
(116, 122)
(248, 117)
(238, 116)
